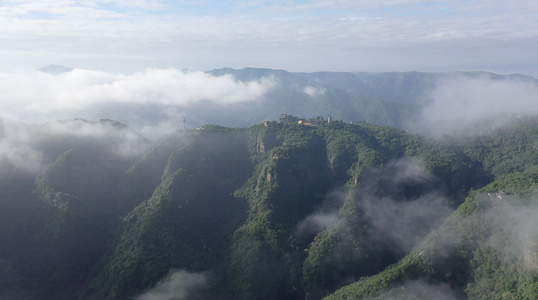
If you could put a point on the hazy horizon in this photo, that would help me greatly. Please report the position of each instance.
(146, 52)
(323, 35)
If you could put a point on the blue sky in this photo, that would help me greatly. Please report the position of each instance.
(319, 35)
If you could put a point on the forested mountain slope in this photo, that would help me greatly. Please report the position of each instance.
(275, 211)
(484, 250)
(411, 88)
(57, 202)
(487, 248)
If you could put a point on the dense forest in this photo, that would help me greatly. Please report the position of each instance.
(279, 210)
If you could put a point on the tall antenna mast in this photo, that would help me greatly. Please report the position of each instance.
(184, 122)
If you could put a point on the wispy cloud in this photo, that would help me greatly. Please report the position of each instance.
(314, 91)
(180, 285)
(396, 200)
(419, 289)
(515, 233)
(396, 213)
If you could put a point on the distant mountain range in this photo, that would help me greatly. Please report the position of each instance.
(391, 99)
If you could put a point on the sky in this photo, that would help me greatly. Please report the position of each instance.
(319, 35)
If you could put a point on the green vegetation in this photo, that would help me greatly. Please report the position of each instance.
(276, 211)
(482, 251)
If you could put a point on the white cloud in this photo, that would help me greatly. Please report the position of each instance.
(313, 91)
(460, 102)
(179, 285)
(16, 150)
(317, 222)
(28, 147)
(37, 96)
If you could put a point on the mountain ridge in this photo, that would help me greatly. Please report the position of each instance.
(215, 182)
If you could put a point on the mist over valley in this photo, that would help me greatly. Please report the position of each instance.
(322, 149)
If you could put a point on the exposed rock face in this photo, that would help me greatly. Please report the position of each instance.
(261, 146)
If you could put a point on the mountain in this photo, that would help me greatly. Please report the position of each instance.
(486, 249)
(57, 203)
(394, 99)
(296, 94)
(409, 88)
(289, 93)
(278, 210)
(55, 69)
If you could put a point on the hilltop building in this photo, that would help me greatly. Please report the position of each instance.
(314, 122)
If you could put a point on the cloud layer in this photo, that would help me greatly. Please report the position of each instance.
(37, 96)
(27, 148)
(460, 102)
